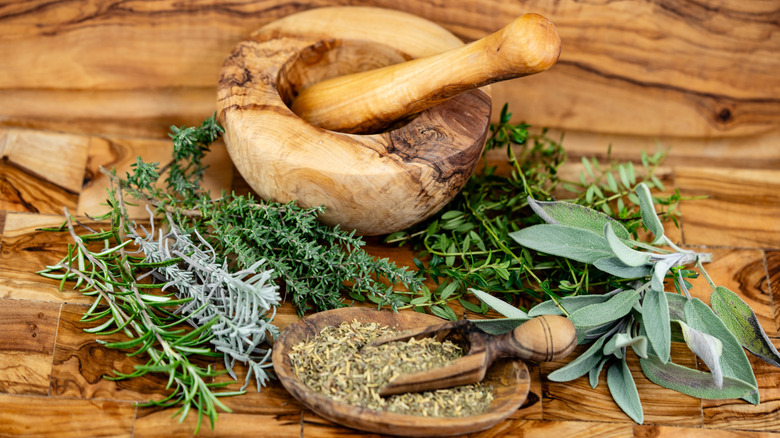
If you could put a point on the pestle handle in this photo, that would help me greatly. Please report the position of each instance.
(370, 101)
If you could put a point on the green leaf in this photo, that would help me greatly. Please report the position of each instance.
(743, 323)
(612, 183)
(692, 382)
(611, 310)
(623, 340)
(444, 311)
(707, 347)
(627, 255)
(647, 210)
(623, 389)
(581, 365)
(613, 266)
(593, 374)
(576, 216)
(571, 304)
(655, 315)
(564, 241)
(500, 306)
(733, 361)
(498, 326)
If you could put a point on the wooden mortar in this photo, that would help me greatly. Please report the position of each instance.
(351, 70)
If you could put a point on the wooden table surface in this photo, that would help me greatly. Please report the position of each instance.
(50, 370)
(96, 83)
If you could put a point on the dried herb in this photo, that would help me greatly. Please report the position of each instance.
(642, 315)
(337, 363)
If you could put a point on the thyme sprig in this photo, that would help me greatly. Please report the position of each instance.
(467, 245)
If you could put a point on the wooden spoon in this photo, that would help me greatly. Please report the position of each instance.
(544, 338)
(368, 102)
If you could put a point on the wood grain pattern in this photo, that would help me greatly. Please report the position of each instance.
(744, 202)
(679, 68)
(34, 416)
(738, 414)
(25, 251)
(568, 429)
(26, 346)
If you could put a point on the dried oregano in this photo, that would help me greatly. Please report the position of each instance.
(337, 363)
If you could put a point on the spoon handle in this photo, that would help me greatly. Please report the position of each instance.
(368, 102)
(542, 339)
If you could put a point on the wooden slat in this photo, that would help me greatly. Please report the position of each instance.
(568, 429)
(64, 418)
(741, 211)
(740, 415)
(152, 423)
(681, 69)
(576, 400)
(658, 431)
(26, 251)
(26, 346)
(773, 273)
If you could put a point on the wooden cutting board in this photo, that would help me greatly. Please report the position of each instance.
(98, 83)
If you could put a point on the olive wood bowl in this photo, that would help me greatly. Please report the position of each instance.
(510, 380)
(374, 183)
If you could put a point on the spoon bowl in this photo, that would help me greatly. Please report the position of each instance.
(509, 378)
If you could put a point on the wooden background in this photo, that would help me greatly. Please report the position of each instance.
(90, 83)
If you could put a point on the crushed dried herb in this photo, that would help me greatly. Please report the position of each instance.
(336, 363)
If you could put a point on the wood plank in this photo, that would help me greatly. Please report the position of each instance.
(568, 429)
(80, 364)
(153, 423)
(740, 415)
(743, 271)
(672, 72)
(577, 401)
(26, 251)
(741, 211)
(660, 431)
(63, 418)
(120, 154)
(773, 273)
(26, 347)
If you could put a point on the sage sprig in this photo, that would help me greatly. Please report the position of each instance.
(642, 316)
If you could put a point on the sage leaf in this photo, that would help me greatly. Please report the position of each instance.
(576, 216)
(622, 340)
(563, 241)
(593, 374)
(692, 382)
(623, 389)
(613, 266)
(570, 304)
(602, 313)
(655, 315)
(707, 347)
(581, 365)
(649, 216)
(627, 255)
(499, 306)
(498, 326)
(661, 268)
(743, 323)
(733, 360)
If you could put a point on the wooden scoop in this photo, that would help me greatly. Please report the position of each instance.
(370, 101)
(544, 338)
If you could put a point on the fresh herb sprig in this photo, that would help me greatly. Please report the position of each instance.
(641, 316)
(316, 264)
(467, 244)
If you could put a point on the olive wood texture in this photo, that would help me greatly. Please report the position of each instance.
(373, 184)
(370, 101)
(509, 379)
(541, 339)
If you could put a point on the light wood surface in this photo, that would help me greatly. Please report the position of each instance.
(95, 83)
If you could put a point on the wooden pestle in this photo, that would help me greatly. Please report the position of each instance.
(371, 101)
